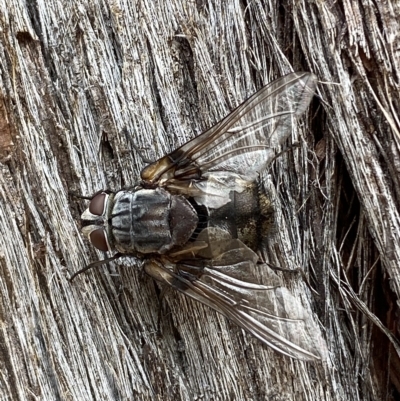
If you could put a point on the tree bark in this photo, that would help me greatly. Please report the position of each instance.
(75, 74)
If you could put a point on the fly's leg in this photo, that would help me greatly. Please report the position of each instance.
(137, 150)
(79, 196)
(161, 296)
(290, 271)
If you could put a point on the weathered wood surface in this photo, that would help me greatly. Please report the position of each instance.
(74, 74)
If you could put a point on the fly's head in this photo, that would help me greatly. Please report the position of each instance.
(96, 219)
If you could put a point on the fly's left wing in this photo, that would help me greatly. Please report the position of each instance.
(243, 142)
(227, 284)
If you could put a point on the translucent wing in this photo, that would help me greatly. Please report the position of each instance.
(241, 143)
(227, 284)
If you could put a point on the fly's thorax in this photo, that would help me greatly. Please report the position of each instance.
(150, 221)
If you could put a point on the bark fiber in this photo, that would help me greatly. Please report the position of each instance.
(74, 74)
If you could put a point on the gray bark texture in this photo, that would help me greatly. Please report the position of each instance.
(74, 74)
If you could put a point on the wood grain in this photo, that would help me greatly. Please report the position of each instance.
(74, 74)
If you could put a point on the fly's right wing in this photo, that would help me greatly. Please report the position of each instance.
(243, 142)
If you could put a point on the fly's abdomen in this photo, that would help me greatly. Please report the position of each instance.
(151, 221)
(247, 216)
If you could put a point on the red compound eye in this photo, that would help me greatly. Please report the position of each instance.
(97, 205)
(98, 238)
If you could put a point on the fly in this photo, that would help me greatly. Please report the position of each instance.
(197, 216)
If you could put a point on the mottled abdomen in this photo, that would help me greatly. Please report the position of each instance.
(248, 216)
(151, 221)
